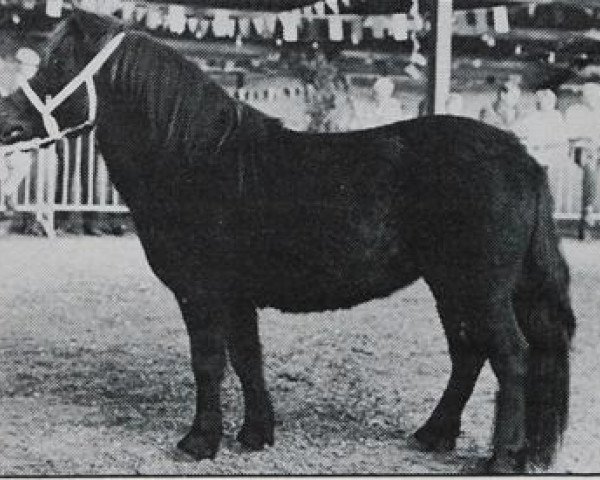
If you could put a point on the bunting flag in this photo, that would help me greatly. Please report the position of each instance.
(127, 11)
(153, 17)
(202, 28)
(192, 24)
(269, 24)
(320, 8)
(176, 19)
(54, 8)
(139, 13)
(336, 29)
(501, 19)
(223, 25)
(290, 22)
(379, 26)
(399, 27)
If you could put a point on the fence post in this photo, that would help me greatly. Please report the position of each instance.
(46, 189)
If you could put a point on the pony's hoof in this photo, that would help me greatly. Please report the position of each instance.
(200, 447)
(505, 464)
(255, 436)
(424, 442)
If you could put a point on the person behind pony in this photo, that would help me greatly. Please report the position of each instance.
(454, 105)
(381, 108)
(26, 62)
(504, 111)
(543, 131)
(583, 130)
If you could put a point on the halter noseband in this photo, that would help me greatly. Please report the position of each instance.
(85, 76)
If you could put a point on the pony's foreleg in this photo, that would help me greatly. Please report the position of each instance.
(206, 329)
(246, 358)
(440, 431)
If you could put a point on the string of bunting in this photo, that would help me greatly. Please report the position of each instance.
(325, 19)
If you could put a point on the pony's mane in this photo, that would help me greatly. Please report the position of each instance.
(180, 101)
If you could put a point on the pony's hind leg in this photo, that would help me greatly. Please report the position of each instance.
(440, 431)
(486, 328)
(508, 358)
(244, 349)
(205, 325)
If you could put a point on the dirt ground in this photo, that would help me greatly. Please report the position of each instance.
(95, 376)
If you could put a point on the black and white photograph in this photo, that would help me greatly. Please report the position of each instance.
(299, 237)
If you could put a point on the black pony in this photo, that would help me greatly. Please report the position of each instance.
(237, 213)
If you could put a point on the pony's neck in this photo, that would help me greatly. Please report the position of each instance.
(185, 112)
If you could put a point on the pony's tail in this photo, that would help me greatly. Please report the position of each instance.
(543, 308)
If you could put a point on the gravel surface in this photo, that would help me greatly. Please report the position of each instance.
(95, 376)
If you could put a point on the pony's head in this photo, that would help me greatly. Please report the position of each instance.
(74, 42)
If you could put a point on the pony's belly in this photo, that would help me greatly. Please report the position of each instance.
(302, 279)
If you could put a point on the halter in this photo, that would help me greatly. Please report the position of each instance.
(85, 76)
(14, 161)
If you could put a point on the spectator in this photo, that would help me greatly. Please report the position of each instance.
(454, 105)
(26, 63)
(544, 130)
(504, 112)
(381, 109)
(583, 128)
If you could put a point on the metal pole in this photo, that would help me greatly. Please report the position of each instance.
(440, 61)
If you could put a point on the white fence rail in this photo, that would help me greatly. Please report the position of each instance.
(65, 175)
(70, 175)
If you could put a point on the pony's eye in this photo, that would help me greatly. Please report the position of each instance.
(57, 64)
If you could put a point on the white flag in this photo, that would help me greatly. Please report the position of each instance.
(154, 17)
(379, 25)
(54, 8)
(320, 8)
(127, 10)
(223, 24)
(259, 24)
(481, 25)
(399, 27)
(290, 22)
(139, 13)
(192, 24)
(336, 28)
(501, 19)
(269, 23)
(176, 19)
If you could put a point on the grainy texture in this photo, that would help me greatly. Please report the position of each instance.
(87, 329)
